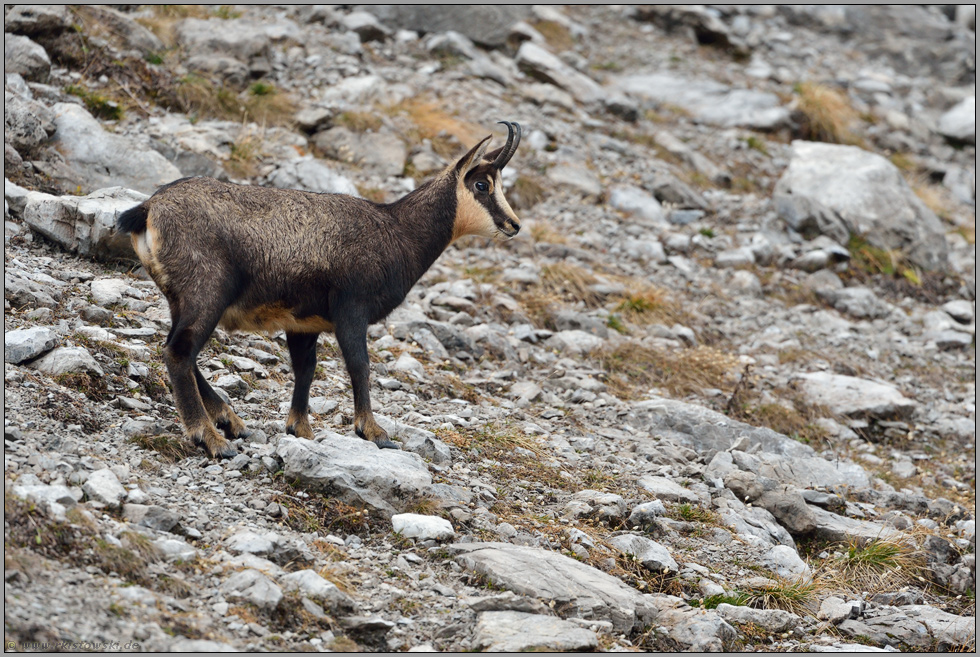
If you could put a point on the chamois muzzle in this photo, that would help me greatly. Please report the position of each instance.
(513, 140)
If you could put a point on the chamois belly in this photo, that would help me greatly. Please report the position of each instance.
(272, 318)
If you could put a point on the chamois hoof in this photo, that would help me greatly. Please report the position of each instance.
(217, 447)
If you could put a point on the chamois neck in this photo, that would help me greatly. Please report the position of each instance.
(425, 218)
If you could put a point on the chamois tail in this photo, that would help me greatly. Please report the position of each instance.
(132, 220)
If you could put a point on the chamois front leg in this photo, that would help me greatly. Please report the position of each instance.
(352, 338)
(180, 355)
(219, 412)
(302, 352)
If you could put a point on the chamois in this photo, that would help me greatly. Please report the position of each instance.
(263, 259)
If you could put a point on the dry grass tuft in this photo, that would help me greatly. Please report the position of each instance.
(633, 369)
(648, 304)
(827, 115)
(527, 192)
(561, 283)
(555, 34)
(432, 122)
(170, 448)
(262, 102)
(358, 121)
(876, 565)
(796, 596)
(245, 154)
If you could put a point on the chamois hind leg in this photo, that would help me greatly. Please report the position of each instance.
(302, 353)
(219, 412)
(180, 356)
(352, 338)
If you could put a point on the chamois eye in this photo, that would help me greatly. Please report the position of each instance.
(482, 186)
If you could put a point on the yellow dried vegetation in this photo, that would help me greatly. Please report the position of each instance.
(827, 114)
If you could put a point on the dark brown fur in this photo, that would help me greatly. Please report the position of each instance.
(255, 258)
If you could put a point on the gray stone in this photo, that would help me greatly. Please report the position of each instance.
(53, 499)
(696, 630)
(241, 38)
(366, 26)
(858, 302)
(636, 202)
(959, 123)
(708, 101)
(836, 610)
(643, 515)
(803, 472)
(607, 507)
(24, 344)
(854, 397)
(381, 151)
(487, 25)
(26, 123)
(99, 159)
(576, 176)
(84, 224)
(315, 587)
(67, 360)
(706, 431)
(542, 65)
(731, 258)
(870, 195)
(423, 528)
(810, 218)
(652, 555)
(422, 442)
(247, 541)
(514, 631)
(152, 516)
(773, 620)
(36, 20)
(785, 504)
(664, 489)
(960, 310)
(103, 486)
(785, 562)
(355, 471)
(233, 384)
(25, 57)
(574, 342)
(579, 591)
(108, 292)
(832, 527)
(253, 587)
(313, 176)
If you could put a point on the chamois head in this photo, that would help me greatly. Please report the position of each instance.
(481, 208)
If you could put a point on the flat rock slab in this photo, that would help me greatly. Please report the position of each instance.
(651, 554)
(27, 343)
(665, 489)
(706, 431)
(870, 195)
(514, 631)
(832, 527)
(709, 101)
(413, 525)
(68, 360)
(355, 471)
(578, 590)
(854, 397)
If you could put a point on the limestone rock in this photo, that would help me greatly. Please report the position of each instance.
(67, 360)
(870, 195)
(100, 159)
(580, 591)
(23, 56)
(355, 470)
(514, 631)
(854, 397)
(253, 587)
(103, 486)
(424, 528)
(652, 555)
(959, 123)
(24, 344)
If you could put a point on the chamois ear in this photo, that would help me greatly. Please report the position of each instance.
(473, 158)
(490, 156)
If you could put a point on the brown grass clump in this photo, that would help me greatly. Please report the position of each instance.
(561, 283)
(648, 304)
(432, 122)
(826, 114)
(170, 448)
(876, 565)
(262, 102)
(555, 34)
(632, 369)
(358, 121)
(527, 192)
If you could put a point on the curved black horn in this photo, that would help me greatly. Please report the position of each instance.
(513, 139)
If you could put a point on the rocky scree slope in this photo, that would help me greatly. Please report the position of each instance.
(719, 394)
